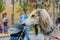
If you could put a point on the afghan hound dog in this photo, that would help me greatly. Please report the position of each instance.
(40, 19)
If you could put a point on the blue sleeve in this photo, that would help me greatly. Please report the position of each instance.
(26, 16)
(20, 21)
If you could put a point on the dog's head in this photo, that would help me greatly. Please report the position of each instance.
(41, 17)
(36, 15)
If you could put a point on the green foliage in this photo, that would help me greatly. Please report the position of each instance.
(24, 5)
(42, 5)
(1, 6)
(57, 3)
(59, 14)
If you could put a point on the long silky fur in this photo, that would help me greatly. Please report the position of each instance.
(44, 24)
(36, 29)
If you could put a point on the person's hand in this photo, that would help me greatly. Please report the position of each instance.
(23, 24)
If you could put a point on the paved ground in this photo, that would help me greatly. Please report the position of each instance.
(32, 36)
(2, 34)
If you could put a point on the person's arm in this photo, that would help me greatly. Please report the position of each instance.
(27, 16)
(6, 19)
(20, 20)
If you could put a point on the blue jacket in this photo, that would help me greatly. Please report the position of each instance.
(22, 18)
(26, 29)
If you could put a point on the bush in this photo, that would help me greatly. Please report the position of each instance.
(1, 6)
(59, 14)
(24, 5)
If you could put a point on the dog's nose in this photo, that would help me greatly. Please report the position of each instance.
(24, 24)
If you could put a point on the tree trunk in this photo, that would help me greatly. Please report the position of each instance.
(0, 17)
(54, 10)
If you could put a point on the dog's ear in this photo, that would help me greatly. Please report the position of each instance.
(36, 29)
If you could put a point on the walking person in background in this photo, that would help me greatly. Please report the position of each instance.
(0, 27)
(23, 16)
(5, 23)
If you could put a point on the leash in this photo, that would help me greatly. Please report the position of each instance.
(55, 38)
(20, 38)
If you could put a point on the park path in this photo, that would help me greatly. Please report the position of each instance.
(32, 36)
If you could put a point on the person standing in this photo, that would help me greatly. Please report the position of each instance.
(23, 17)
(5, 23)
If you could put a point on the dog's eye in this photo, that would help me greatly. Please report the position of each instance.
(33, 16)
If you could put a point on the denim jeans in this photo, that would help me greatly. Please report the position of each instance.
(14, 38)
(5, 29)
(27, 29)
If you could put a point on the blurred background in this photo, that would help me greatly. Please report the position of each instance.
(12, 8)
